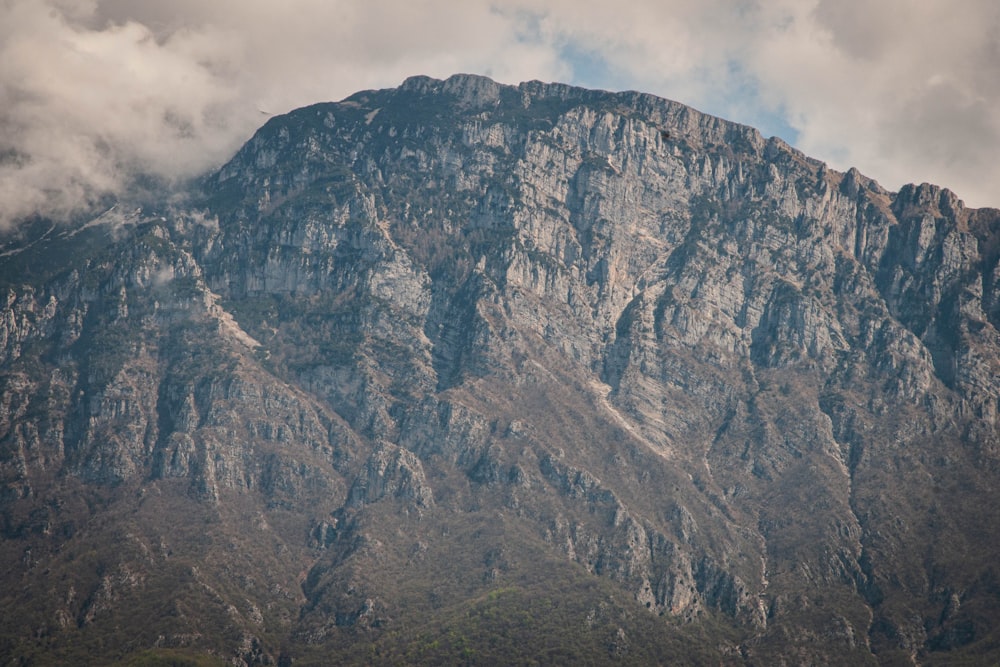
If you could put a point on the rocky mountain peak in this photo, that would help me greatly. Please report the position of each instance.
(468, 371)
(927, 199)
(471, 91)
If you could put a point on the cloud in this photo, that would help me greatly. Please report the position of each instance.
(81, 110)
(93, 92)
(907, 92)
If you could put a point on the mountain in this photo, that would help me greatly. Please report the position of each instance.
(461, 372)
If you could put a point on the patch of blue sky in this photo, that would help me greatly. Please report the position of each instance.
(590, 68)
(740, 99)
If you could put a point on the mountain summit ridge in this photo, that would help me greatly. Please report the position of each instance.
(467, 371)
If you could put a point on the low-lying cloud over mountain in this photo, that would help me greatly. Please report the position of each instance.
(93, 92)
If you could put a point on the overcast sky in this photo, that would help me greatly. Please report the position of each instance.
(92, 90)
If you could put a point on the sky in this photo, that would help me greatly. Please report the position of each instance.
(93, 92)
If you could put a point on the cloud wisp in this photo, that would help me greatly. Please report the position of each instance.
(93, 92)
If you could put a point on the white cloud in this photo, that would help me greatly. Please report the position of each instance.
(80, 109)
(93, 90)
(904, 91)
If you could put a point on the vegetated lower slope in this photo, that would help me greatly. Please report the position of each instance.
(463, 372)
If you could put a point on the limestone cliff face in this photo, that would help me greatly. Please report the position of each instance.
(458, 335)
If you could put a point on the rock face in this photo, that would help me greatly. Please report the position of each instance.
(463, 371)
